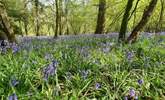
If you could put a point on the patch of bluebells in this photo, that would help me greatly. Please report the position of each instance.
(13, 97)
(50, 70)
(5, 45)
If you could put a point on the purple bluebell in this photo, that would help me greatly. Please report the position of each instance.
(50, 70)
(14, 82)
(14, 48)
(140, 81)
(132, 92)
(97, 86)
(13, 97)
(129, 55)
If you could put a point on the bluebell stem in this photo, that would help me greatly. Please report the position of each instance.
(50, 70)
(13, 97)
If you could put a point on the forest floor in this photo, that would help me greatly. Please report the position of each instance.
(83, 67)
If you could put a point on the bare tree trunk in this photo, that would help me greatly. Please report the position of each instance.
(7, 29)
(37, 17)
(101, 17)
(57, 20)
(124, 23)
(146, 15)
(60, 17)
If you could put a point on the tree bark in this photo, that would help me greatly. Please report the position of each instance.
(123, 29)
(37, 17)
(146, 15)
(6, 27)
(159, 24)
(101, 17)
(57, 19)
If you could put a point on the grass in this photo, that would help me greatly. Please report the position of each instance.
(88, 68)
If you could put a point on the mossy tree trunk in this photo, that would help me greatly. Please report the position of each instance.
(146, 15)
(123, 29)
(101, 17)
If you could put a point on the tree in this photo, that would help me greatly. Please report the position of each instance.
(123, 29)
(101, 17)
(159, 24)
(6, 29)
(37, 26)
(57, 19)
(146, 15)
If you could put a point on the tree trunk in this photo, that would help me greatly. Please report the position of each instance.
(146, 15)
(37, 17)
(6, 28)
(60, 17)
(159, 24)
(101, 17)
(57, 19)
(124, 23)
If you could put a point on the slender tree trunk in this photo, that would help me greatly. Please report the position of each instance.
(159, 24)
(37, 17)
(123, 29)
(5, 26)
(146, 15)
(60, 17)
(101, 17)
(57, 20)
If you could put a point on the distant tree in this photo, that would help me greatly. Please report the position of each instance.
(6, 29)
(101, 17)
(159, 24)
(146, 15)
(123, 29)
(57, 19)
(37, 25)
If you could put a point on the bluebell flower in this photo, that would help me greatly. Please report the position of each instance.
(140, 81)
(14, 82)
(13, 97)
(50, 70)
(97, 86)
(129, 55)
(132, 92)
(14, 48)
